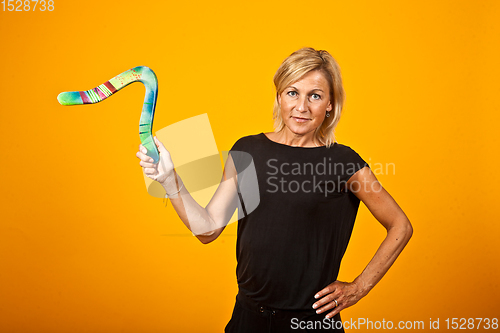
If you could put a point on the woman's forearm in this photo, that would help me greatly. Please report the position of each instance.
(206, 223)
(397, 237)
(195, 217)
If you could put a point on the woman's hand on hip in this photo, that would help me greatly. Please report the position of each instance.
(336, 297)
(161, 170)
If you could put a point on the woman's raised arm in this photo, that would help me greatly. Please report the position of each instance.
(206, 223)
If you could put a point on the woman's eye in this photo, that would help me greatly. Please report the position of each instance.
(292, 93)
(315, 96)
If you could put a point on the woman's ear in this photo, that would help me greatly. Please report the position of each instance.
(278, 97)
(329, 107)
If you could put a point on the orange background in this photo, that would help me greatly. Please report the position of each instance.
(83, 248)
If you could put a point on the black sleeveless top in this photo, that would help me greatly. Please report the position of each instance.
(295, 218)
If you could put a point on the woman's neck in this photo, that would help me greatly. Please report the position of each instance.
(289, 138)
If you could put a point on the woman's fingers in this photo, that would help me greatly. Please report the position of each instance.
(162, 169)
(331, 288)
(142, 149)
(335, 304)
(161, 147)
(327, 300)
(142, 154)
(336, 297)
(143, 157)
(158, 143)
(332, 298)
(148, 165)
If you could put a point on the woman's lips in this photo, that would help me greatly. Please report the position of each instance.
(300, 120)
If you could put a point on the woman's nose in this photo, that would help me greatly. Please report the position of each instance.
(302, 104)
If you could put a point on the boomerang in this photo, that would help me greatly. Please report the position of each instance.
(137, 74)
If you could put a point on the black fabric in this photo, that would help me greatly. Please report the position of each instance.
(290, 246)
(250, 317)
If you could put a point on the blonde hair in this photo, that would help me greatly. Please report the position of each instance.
(293, 68)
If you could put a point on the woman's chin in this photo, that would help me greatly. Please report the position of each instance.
(299, 129)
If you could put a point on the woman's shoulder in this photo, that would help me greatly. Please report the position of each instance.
(250, 137)
(343, 147)
(247, 141)
(348, 154)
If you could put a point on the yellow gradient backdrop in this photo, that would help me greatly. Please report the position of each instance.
(84, 248)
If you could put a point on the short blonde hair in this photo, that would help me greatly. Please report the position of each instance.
(293, 68)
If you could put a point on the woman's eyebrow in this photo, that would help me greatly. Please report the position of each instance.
(315, 89)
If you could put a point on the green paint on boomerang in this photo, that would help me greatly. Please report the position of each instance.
(138, 74)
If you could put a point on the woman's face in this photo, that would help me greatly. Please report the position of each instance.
(305, 102)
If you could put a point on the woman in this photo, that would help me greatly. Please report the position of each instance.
(291, 240)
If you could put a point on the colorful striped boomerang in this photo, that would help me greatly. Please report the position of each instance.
(137, 74)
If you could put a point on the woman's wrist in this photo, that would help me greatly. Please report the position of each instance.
(362, 286)
(172, 183)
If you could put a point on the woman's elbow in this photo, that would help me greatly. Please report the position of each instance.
(205, 239)
(210, 236)
(407, 230)
(401, 230)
